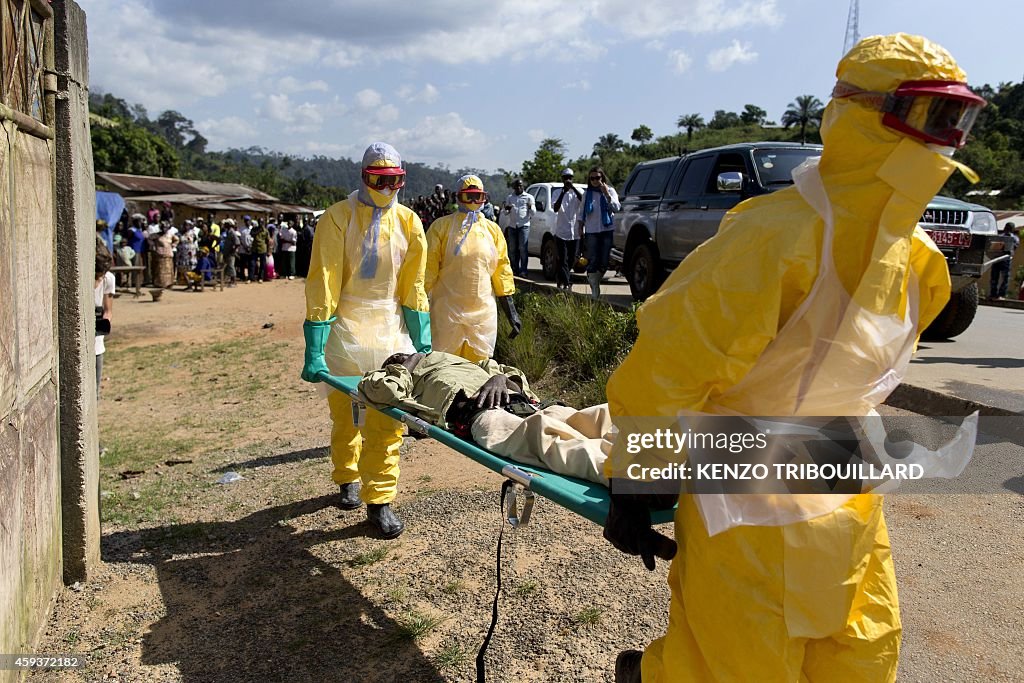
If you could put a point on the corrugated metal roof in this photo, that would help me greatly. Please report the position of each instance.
(157, 185)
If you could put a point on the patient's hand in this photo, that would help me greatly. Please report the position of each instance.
(494, 393)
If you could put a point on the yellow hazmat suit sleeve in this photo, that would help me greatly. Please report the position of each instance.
(327, 263)
(502, 280)
(933, 277)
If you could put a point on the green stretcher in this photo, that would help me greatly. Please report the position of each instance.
(585, 498)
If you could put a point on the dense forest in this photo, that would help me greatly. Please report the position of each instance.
(126, 140)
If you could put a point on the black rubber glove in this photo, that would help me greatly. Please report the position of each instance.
(511, 314)
(493, 394)
(629, 529)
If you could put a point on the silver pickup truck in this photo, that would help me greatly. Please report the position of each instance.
(671, 206)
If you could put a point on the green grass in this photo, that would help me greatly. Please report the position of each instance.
(588, 617)
(369, 557)
(452, 656)
(568, 346)
(453, 587)
(398, 594)
(524, 588)
(414, 625)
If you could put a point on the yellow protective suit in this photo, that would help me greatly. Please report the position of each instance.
(369, 324)
(467, 267)
(814, 600)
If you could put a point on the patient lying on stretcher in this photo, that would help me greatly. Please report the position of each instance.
(492, 404)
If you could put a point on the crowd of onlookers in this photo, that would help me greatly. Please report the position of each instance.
(191, 252)
(441, 202)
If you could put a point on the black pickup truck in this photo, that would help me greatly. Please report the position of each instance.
(671, 206)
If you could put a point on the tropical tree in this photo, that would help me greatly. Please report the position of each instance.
(805, 110)
(690, 122)
(724, 119)
(548, 162)
(128, 148)
(642, 134)
(753, 114)
(607, 144)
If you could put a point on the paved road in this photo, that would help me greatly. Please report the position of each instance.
(985, 364)
(958, 555)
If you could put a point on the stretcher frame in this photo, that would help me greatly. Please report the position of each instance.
(585, 498)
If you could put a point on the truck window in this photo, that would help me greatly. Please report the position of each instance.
(775, 166)
(650, 180)
(639, 182)
(540, 194)
(694, 177)
(658, 178)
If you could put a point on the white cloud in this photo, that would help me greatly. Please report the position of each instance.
(536, 134)
(306, 117)
(446, 137)
(582, 84)
(654, 18)
(427, 95)
(368, 98)
(171, 68)
(230, 131)
(736, 53)
(290, 84)
(679, 61)
(387, 113)
(194, 51)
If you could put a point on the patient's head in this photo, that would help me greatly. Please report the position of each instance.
(409, 360)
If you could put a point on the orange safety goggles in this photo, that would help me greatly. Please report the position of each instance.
(379, 178)
(937, 112)
(472, 196)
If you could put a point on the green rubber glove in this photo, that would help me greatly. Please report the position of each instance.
(418, 324)
(315, 333)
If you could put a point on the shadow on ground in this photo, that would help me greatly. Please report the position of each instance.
(281, 459)
(248, 601)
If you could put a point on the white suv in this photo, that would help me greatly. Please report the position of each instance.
(542, 227)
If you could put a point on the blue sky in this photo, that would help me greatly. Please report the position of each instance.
(479, 84)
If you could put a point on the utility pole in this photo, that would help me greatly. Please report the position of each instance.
(852, 32)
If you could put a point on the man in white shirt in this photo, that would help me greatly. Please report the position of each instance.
(520, 207)
(288, 238)
(567, 234)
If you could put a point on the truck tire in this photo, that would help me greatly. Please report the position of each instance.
(548, 258)
(644, 271)
(956, 316)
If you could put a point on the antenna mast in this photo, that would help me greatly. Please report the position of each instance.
(852, 33)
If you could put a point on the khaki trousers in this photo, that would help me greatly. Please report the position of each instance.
(561, 439)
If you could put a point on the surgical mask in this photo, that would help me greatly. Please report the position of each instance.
(381, 198)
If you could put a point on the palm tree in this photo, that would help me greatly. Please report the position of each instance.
(690, 122)
(607, 144)
(806, 109)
